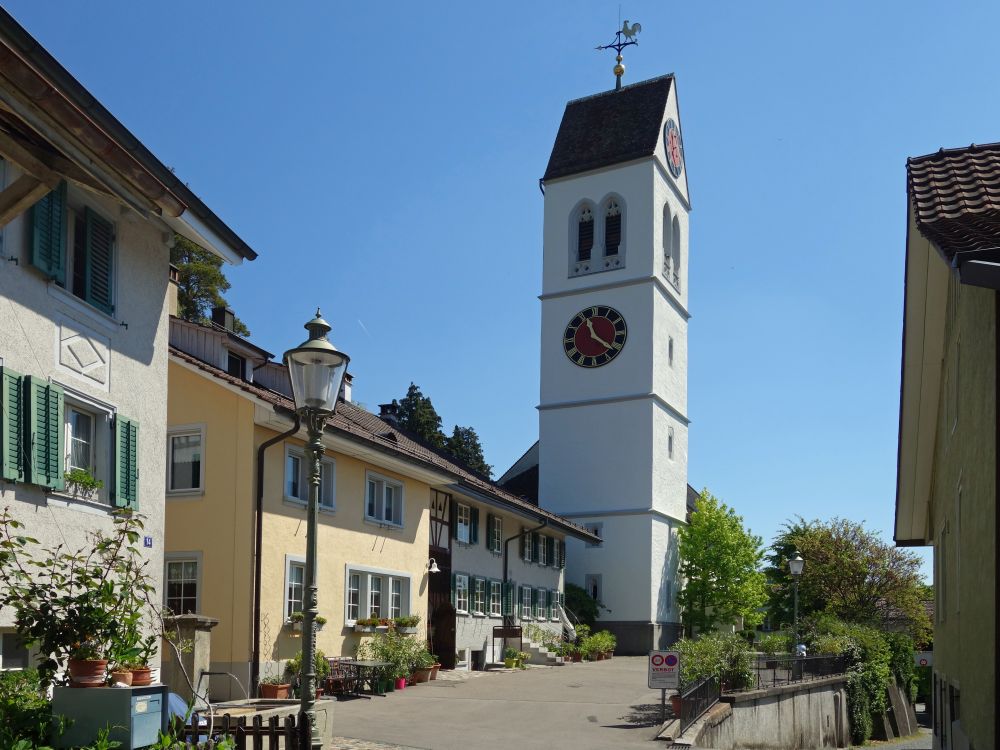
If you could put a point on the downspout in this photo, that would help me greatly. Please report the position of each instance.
(258, 540)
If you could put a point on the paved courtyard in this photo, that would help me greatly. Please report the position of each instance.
(588, 705)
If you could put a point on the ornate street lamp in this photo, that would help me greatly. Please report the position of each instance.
(316, 370)
(795, 565)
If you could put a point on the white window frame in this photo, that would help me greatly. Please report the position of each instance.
(555, 602)
(102, 439)
(541, 612)
(366, 574)
(463, 523)
(327, 484)
(353, 577)
(185, 430)
(382, 482)
(395, 597)
(462, 593)
(287, 601)
(170, 558)
(496, 541)
(496, 598)
(373, 592)
(543, 553)
(478, 596)
(30, 654)
(526, 605)
(528, 557)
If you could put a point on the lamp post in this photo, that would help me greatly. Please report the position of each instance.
(316, 370)
(795, 565)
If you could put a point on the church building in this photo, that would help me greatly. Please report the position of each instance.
(613, 423)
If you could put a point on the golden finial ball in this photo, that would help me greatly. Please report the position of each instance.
(619, 58)
(619, 70)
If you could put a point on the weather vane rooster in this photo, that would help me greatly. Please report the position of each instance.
(623, 39)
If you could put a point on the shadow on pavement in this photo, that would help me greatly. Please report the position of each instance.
(643, 715)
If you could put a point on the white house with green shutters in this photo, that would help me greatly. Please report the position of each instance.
(87, 217)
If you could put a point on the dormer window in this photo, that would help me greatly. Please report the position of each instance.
(236, 366)
(585, 234)
(612, 228)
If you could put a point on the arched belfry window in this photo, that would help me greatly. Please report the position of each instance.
(675, 253)
(668, 259)
(612, 227)
(585, 234)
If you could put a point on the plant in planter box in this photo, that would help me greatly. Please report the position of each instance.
(274, 687)
(82, 483)
(295, 620)
(75, 605)
(407, 624)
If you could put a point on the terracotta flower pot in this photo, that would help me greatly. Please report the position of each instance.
(434, 670)
(273, 692)
(87, 672)
(422, 675)
(142, 676)
(123, 676)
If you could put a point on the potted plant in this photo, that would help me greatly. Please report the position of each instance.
(371, 624)
(295, 620)
(274, 687)
(523, 657)
(293, 668)
(435, 667)
(510, 657)
(422, 666)
(406, 625)
(81, 483)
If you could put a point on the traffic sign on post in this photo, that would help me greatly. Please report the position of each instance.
(664, 669)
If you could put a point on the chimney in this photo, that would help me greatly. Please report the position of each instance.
(223, 317)
(389, 412)
(346, 387)
(173, 279)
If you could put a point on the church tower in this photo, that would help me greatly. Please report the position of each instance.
(613, 423)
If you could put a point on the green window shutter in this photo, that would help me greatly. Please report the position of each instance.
(524, 545)
(534, 546)
(507, 597)
(489, 532)
(474, 530)
(12, 456)
(562, 553)
(100, 265)
(44, 432)
(550, 551)
(126, 462)
(48, 234)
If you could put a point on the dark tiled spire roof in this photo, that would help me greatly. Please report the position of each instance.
(955, 195)
(609, 128)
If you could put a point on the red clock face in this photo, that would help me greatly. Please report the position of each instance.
(594, 336)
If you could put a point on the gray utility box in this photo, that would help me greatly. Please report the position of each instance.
(135, 715)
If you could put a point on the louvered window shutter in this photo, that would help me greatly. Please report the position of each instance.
(126, 462)
(12, 425)
(48, 234)
(507, 608)
(562, 553)
(550, 551)
(612, 230)
(474, 522)
(534, 546)
(585, 236)
(44, 420)
(453, 518)
(489, 532)
(534, 602)
(100, 247)
(524, 545)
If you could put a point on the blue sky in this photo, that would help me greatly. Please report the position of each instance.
(384, 158)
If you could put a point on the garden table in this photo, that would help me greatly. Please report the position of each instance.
(370, 670)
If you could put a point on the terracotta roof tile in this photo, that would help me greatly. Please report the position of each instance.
(364, 426)
(955, 195)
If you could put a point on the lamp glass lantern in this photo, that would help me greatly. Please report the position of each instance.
(795, 565)
(316, 369)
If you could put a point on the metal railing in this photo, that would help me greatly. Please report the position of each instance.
(771, 671)
(696, 699)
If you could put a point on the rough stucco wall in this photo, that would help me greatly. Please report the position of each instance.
(965, 457)
(130, 375)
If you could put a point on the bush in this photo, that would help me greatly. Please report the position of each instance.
(25, 713)
(294, 665)
(585, 607)
(774, 643)
(901, 651)
(725, 656)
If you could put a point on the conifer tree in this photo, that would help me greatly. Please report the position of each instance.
(201, 282)
(464, 445)
(418, 416)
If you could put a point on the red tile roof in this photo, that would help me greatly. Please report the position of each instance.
(955, 196)
(358, 424)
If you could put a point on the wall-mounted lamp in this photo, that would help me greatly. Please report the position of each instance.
(432, 566)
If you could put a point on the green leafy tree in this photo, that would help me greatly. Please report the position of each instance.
(850, 573)
(418, 416)
(465, 446)
(584, 607)
(201, 282)
(719, 565)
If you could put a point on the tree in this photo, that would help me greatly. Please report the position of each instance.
(719, 565)
(849, 573)
(465, 446)
(418, 416)
(201, 282)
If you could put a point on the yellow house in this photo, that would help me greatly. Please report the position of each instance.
(236, 516)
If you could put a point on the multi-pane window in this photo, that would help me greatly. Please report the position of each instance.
(353, 596)
(395, 598)
(526, 539)
(496, 598)
(384, 501)
(585, 234)
(496, 536)
(461, 592)
(184, 461)
(479, 596)
(526, 602)
(554, 605)
(541, 603)
(80, 439)
(295, 588)
(463, 517)
(543, 557)
(13, 652)
(612, 228)
(297, 479)
(181, 595)
(374, 596)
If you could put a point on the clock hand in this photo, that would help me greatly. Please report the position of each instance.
(594, 336)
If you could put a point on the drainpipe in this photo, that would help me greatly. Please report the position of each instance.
(508, 620)
(258, 539)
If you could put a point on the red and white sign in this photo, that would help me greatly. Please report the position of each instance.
(923, 658)
(664, 669)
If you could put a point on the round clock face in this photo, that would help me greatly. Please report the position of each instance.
(674, 147)
(594, 336)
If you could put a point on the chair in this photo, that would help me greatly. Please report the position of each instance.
(343, 678)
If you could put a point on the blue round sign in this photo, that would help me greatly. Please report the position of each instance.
(671, 660)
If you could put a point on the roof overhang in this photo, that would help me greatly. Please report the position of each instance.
(924, 313)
